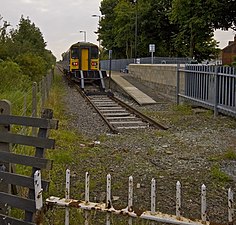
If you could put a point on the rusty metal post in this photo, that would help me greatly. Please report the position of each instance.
(153, 196)
(230, 206)
(178, 199)
(5, 109)
(87, 187)
(203, 203)
(67, 196)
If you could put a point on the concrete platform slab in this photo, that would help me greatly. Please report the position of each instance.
(140, 97)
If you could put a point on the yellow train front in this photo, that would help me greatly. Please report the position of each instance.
(81, 63)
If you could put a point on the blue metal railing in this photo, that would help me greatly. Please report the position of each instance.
(212, 86)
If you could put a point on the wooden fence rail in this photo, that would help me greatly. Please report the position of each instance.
(9, 179)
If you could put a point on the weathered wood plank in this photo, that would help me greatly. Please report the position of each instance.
(39, 163)
(27, 140)
(29, 121)
(20, 180)
(18, 202)
(10, 220)
(5, 109)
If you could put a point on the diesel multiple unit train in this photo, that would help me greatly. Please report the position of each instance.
(81, 64)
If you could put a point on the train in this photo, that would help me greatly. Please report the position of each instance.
(81, 64)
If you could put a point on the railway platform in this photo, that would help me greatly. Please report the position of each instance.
(140, 97)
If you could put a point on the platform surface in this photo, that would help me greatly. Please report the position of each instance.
(140, 97)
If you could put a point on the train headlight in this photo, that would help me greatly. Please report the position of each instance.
(74, 63)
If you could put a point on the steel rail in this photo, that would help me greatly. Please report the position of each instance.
(111, 127)
(145, 118)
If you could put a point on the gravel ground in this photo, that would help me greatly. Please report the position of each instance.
(196, 149)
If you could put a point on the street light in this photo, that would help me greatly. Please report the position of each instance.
(99, 19)
(83, 31)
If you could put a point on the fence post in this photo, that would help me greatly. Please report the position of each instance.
(153, 196)
(203, 203)
(5, 109)
(230, 206)
(216, 91)
(86, 187)
(67, 196)
(43, 92)
(34, 106)
(177, 83)
(178, 199)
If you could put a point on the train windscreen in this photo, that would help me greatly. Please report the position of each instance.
(74, 53)
(94, 52)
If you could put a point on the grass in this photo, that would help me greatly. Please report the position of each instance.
(219, 175)
(229, 154)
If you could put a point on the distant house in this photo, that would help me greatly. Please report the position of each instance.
(229, 52)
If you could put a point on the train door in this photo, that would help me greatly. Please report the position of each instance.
(85, 59)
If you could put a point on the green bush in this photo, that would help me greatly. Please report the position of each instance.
(32, 65)
(11, 77)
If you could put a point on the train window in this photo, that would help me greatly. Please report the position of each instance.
(94, 52)
(74, 53)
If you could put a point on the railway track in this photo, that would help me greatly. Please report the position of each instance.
(117, 114)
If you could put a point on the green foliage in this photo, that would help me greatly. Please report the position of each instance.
(12, 77)
(181, 28)
(218, 174)
(26, 49)
(32, 65)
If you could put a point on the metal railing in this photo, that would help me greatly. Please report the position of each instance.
(213, 87)
(119, 64)
(152, 215)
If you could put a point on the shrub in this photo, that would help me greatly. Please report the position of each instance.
(32, 65)
(12, 77)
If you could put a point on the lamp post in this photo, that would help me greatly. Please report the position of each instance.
(83, 31)
(99, 19)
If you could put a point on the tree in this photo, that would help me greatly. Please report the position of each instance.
(195, 27)
(28, 38)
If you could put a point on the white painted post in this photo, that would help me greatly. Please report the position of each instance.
(153, 196)
(38, 190)
(67, 196)
(86, 187)
(108, 198)
(130, 197)
(108, 219)
(178, 199)
(230, 206)
(203, 203)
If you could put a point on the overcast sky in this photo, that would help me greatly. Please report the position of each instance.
(60, 21)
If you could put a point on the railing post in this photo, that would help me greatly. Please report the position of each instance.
(230, 206)
(38, 190)
(108, 198)
(216, 91)
(153, 196)
(67, 196)
(87, 187)
(177, 83)
(178, 199)
(203, 203)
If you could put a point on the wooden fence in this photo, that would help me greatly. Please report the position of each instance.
(10, 180)
(13, 184)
